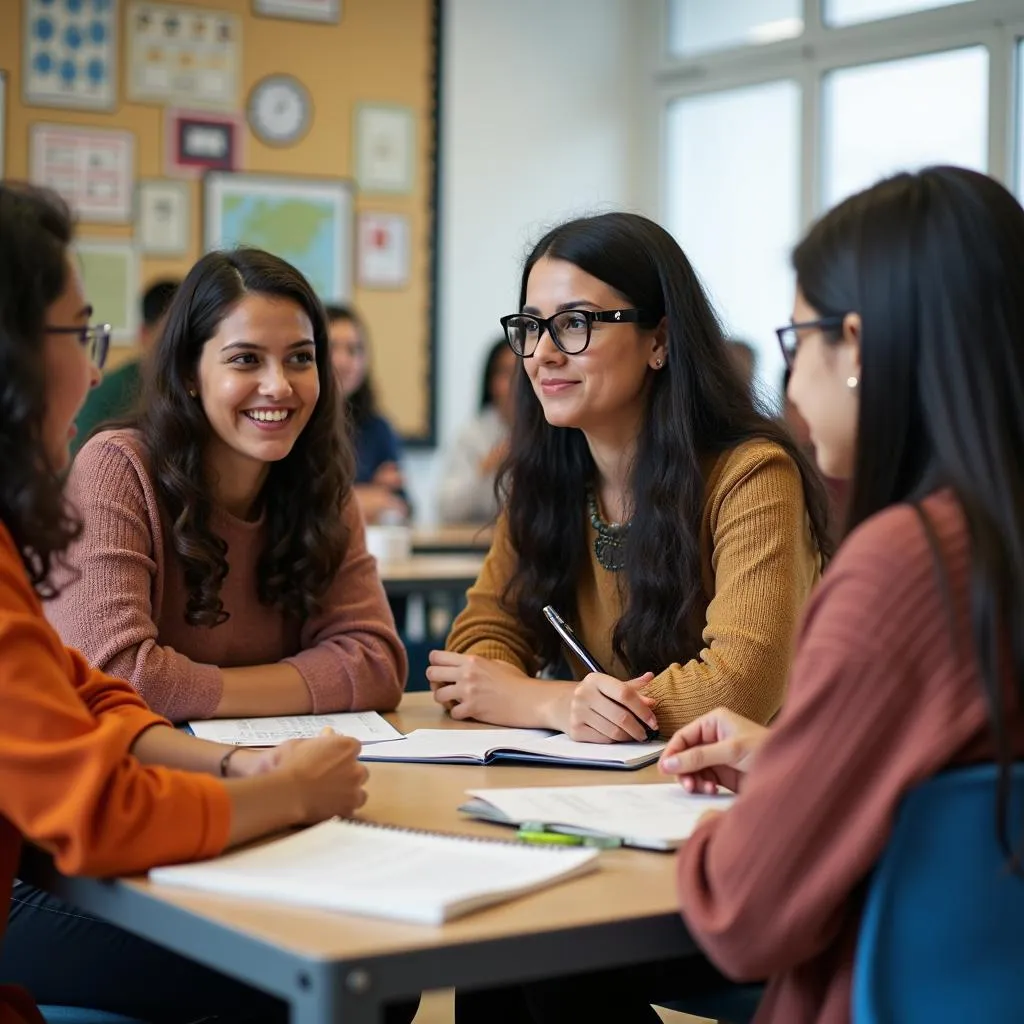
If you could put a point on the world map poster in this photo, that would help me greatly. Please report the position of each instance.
(306, 221)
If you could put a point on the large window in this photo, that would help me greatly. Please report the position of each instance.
(774, 110)
(737, 227)
(903, 115)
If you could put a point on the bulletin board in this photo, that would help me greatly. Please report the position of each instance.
(376, 68)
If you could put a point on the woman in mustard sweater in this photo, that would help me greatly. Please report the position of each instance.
(675, 527)
(87, 770)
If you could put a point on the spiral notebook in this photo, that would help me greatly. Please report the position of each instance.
(360, 868)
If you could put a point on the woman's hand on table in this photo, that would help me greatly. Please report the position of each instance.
(717, 749)
(488, 690)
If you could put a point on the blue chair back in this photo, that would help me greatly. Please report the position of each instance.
(942, 937)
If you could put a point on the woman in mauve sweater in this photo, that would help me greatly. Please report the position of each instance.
(87, 771)
(674, 527)
(222, 569)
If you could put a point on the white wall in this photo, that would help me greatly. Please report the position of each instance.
(537, 125)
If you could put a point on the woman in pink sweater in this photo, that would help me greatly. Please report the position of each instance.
(222, 569)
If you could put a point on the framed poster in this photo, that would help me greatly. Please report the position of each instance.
(3, 119)
(186, 56)
(92, 168)
(383, 250)
(69, 57)
(299, 10)
(163, 218)
(196, 142)
(384, 148)
(306, 221)
(110, 277)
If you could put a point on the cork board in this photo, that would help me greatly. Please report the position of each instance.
(377, 53)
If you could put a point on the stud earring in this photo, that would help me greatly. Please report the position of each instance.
(659, 363)
(852, 382)
(192, 393)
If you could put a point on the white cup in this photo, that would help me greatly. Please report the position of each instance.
(389, 543)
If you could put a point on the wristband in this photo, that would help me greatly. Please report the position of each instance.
(224, 761)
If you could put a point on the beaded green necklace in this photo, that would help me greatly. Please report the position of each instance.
(610, 542)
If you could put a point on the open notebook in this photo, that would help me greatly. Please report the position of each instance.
(376, 871)
(365, 726)
(654, 816)
(484, 746)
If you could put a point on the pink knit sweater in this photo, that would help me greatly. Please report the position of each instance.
(123, 602)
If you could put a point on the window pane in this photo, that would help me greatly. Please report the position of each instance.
(697, 26)
(903, 115)
(732, 201)
(853, 12)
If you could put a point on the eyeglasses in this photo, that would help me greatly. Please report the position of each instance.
(789, 340)
(95, 340)
(569, 330)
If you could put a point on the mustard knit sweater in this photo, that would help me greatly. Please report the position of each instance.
(758, 565)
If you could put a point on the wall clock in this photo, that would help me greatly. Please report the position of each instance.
(280, 110)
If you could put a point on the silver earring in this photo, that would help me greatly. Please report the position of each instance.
(852, 382)
(192, 393)
(659, 363)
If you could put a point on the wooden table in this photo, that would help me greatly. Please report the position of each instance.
(340, 968)
(465, 538)
(430, 574)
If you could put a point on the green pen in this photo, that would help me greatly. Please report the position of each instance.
(552, 838)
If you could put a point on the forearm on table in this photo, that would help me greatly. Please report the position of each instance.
(256, 690)
(171, 748)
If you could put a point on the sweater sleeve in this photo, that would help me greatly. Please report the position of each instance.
(465, 494)
(767, 886)
(106, 606)
(764, 564)
(352, 658)
(485, 627)
(67, 778)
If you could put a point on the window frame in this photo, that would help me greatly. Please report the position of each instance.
(809, 58)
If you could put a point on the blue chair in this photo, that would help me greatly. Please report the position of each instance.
(942, 937)
(82, 1015)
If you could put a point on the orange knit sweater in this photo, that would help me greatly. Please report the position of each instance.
(758, 565)
(68, 781)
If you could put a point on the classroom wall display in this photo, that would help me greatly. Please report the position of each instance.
(110, 277)
(187, 56)
(92, 168)
(306, 221)
(3, 119)
(196, 142)
(70, 53)
(383, 248)
(162, 217)
(300, 10)
(385, 144)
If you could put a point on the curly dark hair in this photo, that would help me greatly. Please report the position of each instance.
(36, 229)
(304, 492)
(698, 406)
(362, 403)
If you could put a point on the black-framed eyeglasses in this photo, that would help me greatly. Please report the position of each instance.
(569, 330)
(789, 339)
(95, 340)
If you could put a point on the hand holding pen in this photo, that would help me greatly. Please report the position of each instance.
(605, 709)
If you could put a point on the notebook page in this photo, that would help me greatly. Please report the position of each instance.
(365, 726)
(381, 872)
(437, 744)
(664, 814)
(561, 745)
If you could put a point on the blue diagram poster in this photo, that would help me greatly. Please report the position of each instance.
(70, 53)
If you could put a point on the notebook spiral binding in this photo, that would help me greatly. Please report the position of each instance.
(437, 834)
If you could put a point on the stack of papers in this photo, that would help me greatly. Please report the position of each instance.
(365, 726)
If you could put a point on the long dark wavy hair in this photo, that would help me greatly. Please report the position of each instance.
(932, 262)
(697, 407)
(362, 403)
(304, 492)
(35, 231)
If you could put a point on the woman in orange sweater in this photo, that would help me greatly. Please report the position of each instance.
(87, 771)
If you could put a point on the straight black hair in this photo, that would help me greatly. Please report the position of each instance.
(156, 300)
(494, 353)
(932, 262)
(36, 231)
(362, 403)
(698, 407)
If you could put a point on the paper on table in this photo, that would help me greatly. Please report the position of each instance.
(472, 744)
(365, 726)
(654, 814)
(360, 868)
